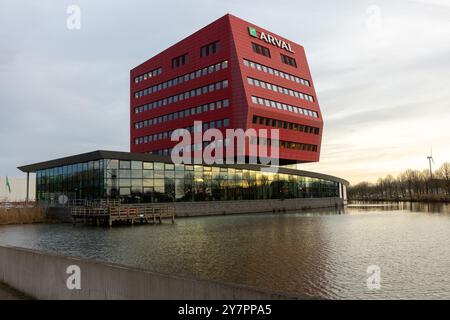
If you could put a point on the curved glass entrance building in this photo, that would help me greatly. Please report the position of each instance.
(135, 178)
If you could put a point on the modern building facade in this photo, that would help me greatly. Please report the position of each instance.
(136, 178)
(230, 74)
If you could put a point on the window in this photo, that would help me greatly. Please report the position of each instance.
(261, 50)
(266, 85)
(148, 75)
(182, 96)
(283, 106)
(288, 60)
(209, 49)
(124, 164)
(179, 80)
(179, 61)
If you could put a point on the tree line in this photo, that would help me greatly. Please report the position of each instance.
(409, 185)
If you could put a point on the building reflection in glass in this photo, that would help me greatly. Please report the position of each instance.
(138, 181)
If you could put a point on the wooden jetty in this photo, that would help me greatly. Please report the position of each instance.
(108, 213)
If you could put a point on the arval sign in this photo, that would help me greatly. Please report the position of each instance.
(270, 39)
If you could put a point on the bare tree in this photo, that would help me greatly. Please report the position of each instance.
(444, 174)
(414, 185)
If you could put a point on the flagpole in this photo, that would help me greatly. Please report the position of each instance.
(28, 187)
(6, 189)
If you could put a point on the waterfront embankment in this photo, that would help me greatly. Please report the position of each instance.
(219, 208)
(423, 199)
(44, 275)
(8, 293)
(214, 208)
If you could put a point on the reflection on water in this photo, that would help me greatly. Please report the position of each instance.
(318, 254)
(437, 207)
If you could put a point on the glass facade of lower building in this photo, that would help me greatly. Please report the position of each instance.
(141, 181)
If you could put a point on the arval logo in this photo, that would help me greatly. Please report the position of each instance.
(252, 32)
(270, 39)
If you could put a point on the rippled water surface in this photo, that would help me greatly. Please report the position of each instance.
(319, 254)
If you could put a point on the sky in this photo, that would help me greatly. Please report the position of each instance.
(381, 70)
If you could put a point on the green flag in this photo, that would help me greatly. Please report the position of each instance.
(8, 186)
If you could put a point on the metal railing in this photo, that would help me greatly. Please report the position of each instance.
(113, 211)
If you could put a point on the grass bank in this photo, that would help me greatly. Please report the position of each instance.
(23, 215)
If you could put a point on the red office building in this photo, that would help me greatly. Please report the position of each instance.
(230, 74)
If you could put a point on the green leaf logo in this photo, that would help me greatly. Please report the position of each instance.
(252, 32)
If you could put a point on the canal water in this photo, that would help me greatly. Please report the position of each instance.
(322, 254)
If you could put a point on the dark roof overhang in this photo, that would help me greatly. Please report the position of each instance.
(120, 155)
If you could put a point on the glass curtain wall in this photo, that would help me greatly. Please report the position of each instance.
(137, 181)
(76, 181)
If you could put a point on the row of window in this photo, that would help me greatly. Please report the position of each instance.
(284, 125)
(209, 49)
(181, 79)
(284, 106)
(182, 96)
(278, 73)
(285, 144)
(253, 140)
(264, 51)
(199, 146)
(148, 75)
(215, 124)
(180, 61)
(276, 88)
(183, 113)
(298, 146)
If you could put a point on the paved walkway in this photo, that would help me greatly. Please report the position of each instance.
(8, 293)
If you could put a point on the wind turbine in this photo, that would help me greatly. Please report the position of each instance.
(430, 158)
